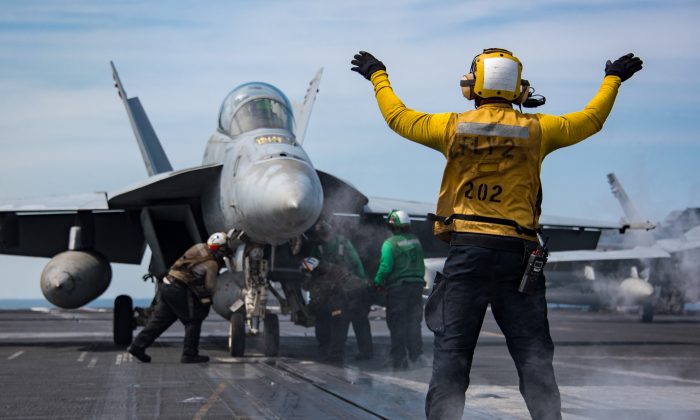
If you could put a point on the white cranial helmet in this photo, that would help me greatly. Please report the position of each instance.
(217, 241)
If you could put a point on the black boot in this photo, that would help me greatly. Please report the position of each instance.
(139, 353)
(186, 358)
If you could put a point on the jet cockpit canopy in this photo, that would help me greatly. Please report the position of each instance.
(255, 105)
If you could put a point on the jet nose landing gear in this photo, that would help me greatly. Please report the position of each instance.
(270, 335)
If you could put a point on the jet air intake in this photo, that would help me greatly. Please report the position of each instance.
(72, 279)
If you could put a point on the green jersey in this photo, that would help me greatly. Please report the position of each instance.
(401, 262)
(339, 250)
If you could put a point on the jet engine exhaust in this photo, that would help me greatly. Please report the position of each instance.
(72, 279)
(634, 290)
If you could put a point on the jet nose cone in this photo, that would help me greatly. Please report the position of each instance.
(281, 199)
(296, 201)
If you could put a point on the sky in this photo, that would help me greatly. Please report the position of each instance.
(63, 129)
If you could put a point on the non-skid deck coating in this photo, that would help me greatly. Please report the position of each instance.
(61, 364)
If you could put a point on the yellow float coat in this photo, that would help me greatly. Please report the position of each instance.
(494, 154)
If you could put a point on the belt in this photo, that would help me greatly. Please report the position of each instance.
(503, 243)
(483, 219)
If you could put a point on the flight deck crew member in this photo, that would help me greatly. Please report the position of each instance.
(488, 209)
(331, 287)
(185, 294)
(337, 249)
(400, 273)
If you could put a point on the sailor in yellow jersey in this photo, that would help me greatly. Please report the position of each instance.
(488, 210)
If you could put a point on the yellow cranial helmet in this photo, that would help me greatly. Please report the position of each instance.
(495, 73)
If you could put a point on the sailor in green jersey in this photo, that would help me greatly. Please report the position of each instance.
(400, 273)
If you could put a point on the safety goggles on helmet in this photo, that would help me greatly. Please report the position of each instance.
(217, 241)
(399, 218)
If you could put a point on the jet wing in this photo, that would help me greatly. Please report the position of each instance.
(41, 228)
(415, 209)
(547, 221)
(565, 233)
(166, 187)
(73, 202)
(638, 253)
(434, 265)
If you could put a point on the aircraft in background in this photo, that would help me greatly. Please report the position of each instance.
(610, 275)
(677, 278)
(257, 181)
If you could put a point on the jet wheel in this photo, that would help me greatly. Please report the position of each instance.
(236, 336)
(123, 320)
(271, 334)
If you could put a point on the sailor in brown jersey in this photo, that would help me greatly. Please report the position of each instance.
(185, 295)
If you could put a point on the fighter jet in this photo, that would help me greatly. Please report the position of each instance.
(255, 181)
(677, 278)
(655, 270)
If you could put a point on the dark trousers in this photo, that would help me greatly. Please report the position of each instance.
(357, 313)
(333, 322)
(404, 312)
(474, 278)
(175, 302)
(331, 330)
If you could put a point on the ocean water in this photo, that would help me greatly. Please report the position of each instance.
(43, 303)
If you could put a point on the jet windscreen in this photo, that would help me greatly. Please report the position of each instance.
(254, 106)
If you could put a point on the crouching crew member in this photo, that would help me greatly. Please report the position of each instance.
(400, 273)
(185, 294)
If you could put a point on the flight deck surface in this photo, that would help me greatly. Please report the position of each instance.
(62, 364)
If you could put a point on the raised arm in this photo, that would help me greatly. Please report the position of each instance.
(431, 130)
(568, 129)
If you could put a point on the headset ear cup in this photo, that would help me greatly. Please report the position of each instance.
(468, 91)
(525, 92)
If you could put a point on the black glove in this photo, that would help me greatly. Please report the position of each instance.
(366, 64)
(624, 67)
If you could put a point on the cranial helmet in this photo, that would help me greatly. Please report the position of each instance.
(217, 241)
(495, 73)
(398, 219)
(323, 228)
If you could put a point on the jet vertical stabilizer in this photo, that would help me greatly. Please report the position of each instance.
(153, 154)
(302, 112)
(631, 213)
